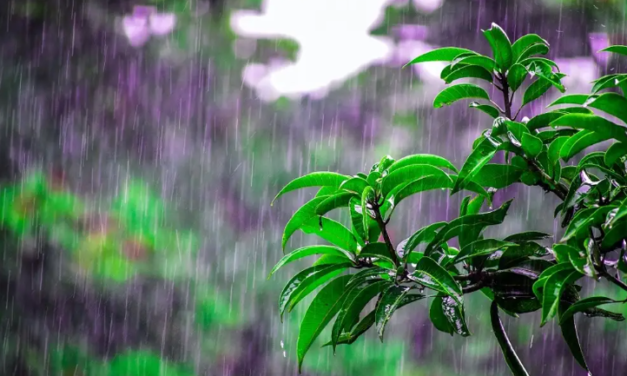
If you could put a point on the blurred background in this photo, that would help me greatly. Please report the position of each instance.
(142, 142)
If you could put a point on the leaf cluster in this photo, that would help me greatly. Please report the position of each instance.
(520, 273)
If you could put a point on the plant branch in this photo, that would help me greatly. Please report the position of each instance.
(384, 232)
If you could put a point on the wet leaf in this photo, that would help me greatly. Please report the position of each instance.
(422, 159)
(469, 71)
(501, 46)
(310, 251)
(355, 184)
(516, 76)
(439, 54)
(584, 305)
(579, 99)
(514, 363)
(376, 250)
(614, 153)
(621, 50)
(435, 277)
(408, 174)
(356, 301)
(488, 109)
(524, 42)
(482, 247)
(479, 157)
(339, 200)
(533, 49)
(531, 145)
(552, 292)
(478, 61)
(527, 236)
(305, 282)
(390, 300)
(454, 313)
(437, 317)
(331, 231)
(314, 179)
(592, 123)
(569, 332)
(424, 235)
(497, 175)
(456, 92)
(580, 141)
(321, 311)
(611, 103)
(468, 223)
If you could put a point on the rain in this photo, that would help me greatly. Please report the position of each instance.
(142, 143)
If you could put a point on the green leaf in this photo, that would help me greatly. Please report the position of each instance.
(463, 206)
(333, 232)
(314, 179)
(614, 235)
(456, 92)
(525, 42)
(390, 300)
(518, 305)
(309, 251)
(516, 76)
(554, 149)
(454, 313)
(435, 277)
(501, 46)
(439, 54)
(531, 145)
(536, 90)
(621, 50)
(543, 120)
(357, 223)
(482, 247)
(305, 282)
(300, 218)
(552, 291)
(488, 109)
(534, 49)
(424, 235)
(474, 206)
(469, 71)
(408, 174)
(614, 153)
(322, 309)
(326, 191)
(422, 159)
(479, 157)
(609, 81)
(479, 61)
(584, 305)
(338, 200)
(367, 196)
(437, 317)
(579, 99)
(569, 332)
(425, 183)
(592, 123)
(515, 254)
(611, 103)
(497, 176)
(527, 237)
(348, 316)
(469, 223)
(580, 141)
(514, 363)
(377, 250)
(355, 184)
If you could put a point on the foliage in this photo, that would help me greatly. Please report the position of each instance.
(519, 273)
(115, 246)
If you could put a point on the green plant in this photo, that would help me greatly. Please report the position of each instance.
(518, 273)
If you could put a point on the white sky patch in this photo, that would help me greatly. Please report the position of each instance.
(334, 39)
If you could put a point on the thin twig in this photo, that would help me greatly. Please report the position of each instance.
(384, 232)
